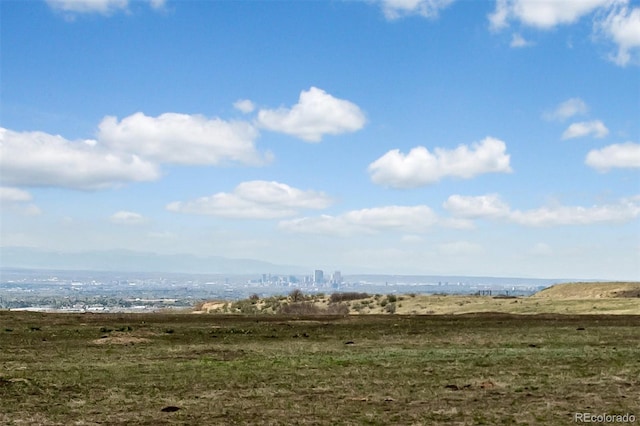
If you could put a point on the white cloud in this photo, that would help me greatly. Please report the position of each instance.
(41, 159)
(17, 201)
(255, 200)
(624, 155)
(244, 105)
(500, 16)
(316, 114)
(622, 26)
(365, 221)
(567, 109)
(542, 14)
(624, 211)
(421, 167)
(474, 207)
(613, 19)
(104, 7)
(518, 41)
(127, 218)
(157, 4)
(13, 195)
(182, 139)
(492, 207)
(596, 128)
(394, 9)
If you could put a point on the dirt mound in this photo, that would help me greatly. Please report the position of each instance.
(599, 290)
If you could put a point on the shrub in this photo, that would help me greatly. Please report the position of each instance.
(343, 297)
(338, 309)
(302, 308)
(296, 295)
(244, 307)
(392, 298)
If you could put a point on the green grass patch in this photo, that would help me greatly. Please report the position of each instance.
(370, 369)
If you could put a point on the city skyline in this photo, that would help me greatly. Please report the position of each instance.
(496, 138)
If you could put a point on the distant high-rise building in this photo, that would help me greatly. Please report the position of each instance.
(318, 276)
(336, 278)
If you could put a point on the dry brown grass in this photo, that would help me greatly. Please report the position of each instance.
(606, 290)
(571, 298)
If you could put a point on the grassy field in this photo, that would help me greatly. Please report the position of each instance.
(487, 368)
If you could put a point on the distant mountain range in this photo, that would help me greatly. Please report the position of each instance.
(133, 261)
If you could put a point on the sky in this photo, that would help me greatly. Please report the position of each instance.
(497, 138)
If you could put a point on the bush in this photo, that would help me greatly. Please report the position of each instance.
(392, 298)
(244, 307)
(296, 295)
(343, 297)
(303, 308)
(338, 309)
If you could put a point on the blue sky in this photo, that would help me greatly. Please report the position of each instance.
(493, 138)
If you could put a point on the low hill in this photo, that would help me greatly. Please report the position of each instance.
(581, 290)
(574, 298)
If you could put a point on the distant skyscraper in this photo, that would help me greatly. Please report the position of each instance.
(318, 276)
(336, 278)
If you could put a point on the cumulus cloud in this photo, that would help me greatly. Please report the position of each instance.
(499, 19)
(394, 9)
(542, 14)
(124, 217)
(517, 41)
(613, 19)
(624, 155)
(596, 128)
(365, 221)
(567, 109)
(622, 26)
(492, 207)
(256, 200)
(104, 7)
(182, 139)
(316, 114)
(41, 159)
(244, 105)
(17, 201)
(421, 167)
(473, 207)
(13, 195)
